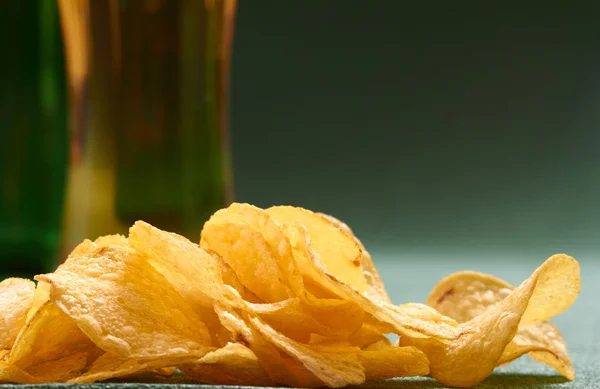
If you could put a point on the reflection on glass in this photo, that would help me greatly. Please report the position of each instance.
(149, 85)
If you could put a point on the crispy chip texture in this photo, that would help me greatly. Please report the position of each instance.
(50, 335)
(465, 295)
(125, 306)
(375, 287)
(338, 251)
(234, 364)
(282, 296)
(16, 299)
(471, 357)
(12, 374)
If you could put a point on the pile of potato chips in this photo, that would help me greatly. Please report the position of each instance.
(281, 296)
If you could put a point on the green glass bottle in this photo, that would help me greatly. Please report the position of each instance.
(33, 136)
(152, 133)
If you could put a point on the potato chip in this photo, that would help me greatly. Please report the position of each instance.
(120, 302)
(12, 374)
(338, 251)
(234, 364)
(60, 370)
(383, 360)
(267, 252)
(250, 257)
(194, 273)
(387, 317)
(280, 367)
(471, 357)
(112, 366)
(16, 299)
(375, 287)
(49, 335)
(465, 295)
(42, 294)
(334, 366)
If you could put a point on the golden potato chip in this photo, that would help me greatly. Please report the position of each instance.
(471, 357)
(383, 360)
(280, 367)
(234, 364)
(251, 243)
(252, 256)
(49, 335)
(334, 366)
(231, 279)
(113, 366)
(465, 295)
(42, 294)
(194, 273)
(375, 287)
(120, 302)
(390, 318)
(4, 354)
(240, 247)
(337, 250)
(16, 299)
(12, 374)
(60, 370)
(298, 321)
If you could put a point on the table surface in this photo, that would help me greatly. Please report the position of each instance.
(410, 276)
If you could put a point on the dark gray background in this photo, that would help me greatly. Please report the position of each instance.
(424, 125)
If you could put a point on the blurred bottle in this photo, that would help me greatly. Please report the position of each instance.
(149, 92)
(33, 136)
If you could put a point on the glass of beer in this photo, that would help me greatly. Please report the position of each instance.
(148, 85)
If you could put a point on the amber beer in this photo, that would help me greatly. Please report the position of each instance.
(149, 103)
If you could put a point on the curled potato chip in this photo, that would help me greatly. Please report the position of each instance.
(264, 262)
(382, 360)
(120, 301)
(60, 370)
(472, 356)
(193, 272)
(465, 295)
(113, 366)
(280, 367)
(334, 366)
(339, 253)
(234, 364)
(12, 374)
(16, 299)
(375, 287)
(50, 335)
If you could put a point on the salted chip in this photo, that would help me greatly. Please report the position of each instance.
(250, 256)
(375, 287)
(60, 370)
(338, 251)
(16, 299)
(113, 366)
(254, 245)
(50, 335)
(234, 364)
(382, 360)
(384, 316)
(193, 272)
(472, 356)
(12, 374)
(465, 295)
(120, 301)
(282, 368)
(334, 366)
